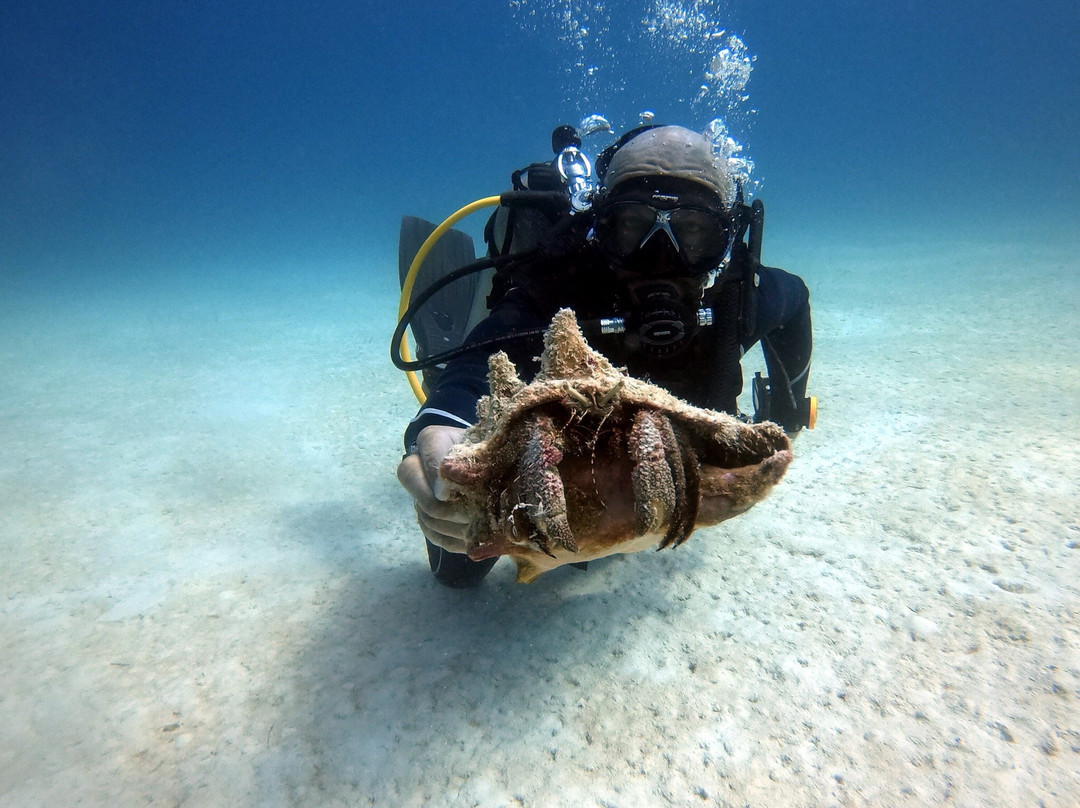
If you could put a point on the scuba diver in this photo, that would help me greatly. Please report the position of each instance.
(655, 265)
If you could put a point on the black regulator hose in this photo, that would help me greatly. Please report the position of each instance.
(424, 296)
(454, 353)
(551, 201)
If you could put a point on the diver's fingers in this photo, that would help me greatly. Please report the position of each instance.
(448, 540)
(433, 443)
(450, 512)
(444, 527)
(441, 489)
(410, 474)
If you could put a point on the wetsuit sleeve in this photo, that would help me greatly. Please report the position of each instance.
(784, 328)
(464, 382)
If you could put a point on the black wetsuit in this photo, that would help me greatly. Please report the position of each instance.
(705, 371)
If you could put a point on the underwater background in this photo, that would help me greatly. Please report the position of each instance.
(213, 590)
(270, 137)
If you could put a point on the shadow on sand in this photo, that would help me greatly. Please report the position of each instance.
(402, 676)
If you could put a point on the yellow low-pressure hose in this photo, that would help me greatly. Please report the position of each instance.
(414, 270)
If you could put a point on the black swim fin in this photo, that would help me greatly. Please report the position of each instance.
(442, 322)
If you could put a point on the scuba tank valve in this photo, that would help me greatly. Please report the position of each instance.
(575, 168)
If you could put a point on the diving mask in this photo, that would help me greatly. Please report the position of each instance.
(700, 235)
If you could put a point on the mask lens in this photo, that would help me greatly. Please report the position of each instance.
(700, 235)
(622, 227)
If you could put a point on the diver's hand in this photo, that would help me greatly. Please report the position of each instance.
(440, 521)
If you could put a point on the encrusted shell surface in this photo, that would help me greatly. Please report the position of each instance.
(738, 462)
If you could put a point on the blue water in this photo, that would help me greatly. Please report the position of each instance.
(213, 590)
(174, 136)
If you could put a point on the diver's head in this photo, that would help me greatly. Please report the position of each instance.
(663, 222)
(666, 151)
(665, 204)
(663, 225)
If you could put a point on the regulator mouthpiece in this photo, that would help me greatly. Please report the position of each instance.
(659, 327)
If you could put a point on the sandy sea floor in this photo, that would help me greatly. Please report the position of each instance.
(213, 592)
